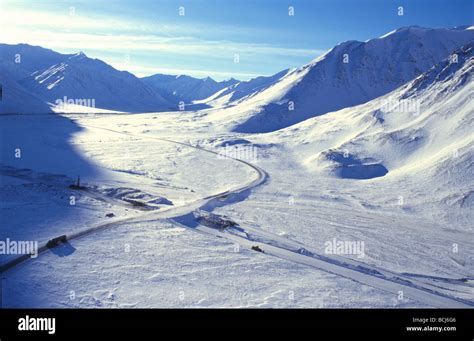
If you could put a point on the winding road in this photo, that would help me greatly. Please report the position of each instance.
(273, 245)
(170, 212)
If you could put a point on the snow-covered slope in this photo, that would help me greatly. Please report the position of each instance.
(15, 99)
(187, 88)
(349, 74)
(418, 137)
(406, 221)
(232, 94)
(16, 63)
(21, 60)
(83, 78)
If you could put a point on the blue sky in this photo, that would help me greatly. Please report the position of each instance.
(147, 37)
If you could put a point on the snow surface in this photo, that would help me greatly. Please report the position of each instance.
(188, 224)
(166, 265)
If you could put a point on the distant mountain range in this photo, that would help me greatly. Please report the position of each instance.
(238, 91)
(349, 74)
(186, 88)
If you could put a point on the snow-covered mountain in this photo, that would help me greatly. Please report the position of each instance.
(16, 99)
(394, 175)
(234, 93)
(418, 136)
(349, 74)
(21, 60)
(80, 77)
(52, 76)
(210, 92)
(187, 88)
(17, 62)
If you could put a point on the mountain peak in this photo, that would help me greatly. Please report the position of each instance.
(415, 29)
(411, 27)
(350, 74)
(79, 55)
(208, 79)
(404, 29)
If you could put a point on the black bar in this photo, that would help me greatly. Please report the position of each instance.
(363, 322)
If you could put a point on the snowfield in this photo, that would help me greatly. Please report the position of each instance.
(367, 204)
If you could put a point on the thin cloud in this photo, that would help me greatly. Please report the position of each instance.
(108, 36)
(149, 43)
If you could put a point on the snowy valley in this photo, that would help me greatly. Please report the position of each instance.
(347, 182)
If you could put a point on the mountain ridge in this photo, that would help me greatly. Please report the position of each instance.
(373, 69)
(51, 76)
(327, 83)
